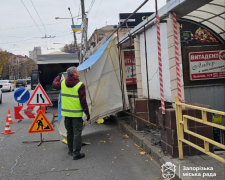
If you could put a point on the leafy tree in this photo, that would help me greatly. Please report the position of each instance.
(68, 48)
(3, 60)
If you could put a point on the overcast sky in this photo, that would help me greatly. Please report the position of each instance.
(19, 33)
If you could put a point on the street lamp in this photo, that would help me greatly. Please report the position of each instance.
(74, 33)
(67, 18)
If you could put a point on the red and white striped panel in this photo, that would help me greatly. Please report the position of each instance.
(160, 64)
(177, 56)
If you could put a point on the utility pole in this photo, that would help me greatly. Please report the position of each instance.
(84, 32)
(74, 33)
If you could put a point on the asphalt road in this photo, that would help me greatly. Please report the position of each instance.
(110, 156)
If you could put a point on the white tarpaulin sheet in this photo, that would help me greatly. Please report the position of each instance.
(152, 54)
(102, 81)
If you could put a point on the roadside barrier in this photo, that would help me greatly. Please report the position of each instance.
(182, 126)
(9, 117)
(7, 128)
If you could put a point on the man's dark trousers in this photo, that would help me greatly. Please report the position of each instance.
(74, 126)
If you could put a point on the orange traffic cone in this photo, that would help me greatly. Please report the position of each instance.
(7, 129)
(9, 118)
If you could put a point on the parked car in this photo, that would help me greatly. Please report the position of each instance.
(0, 97)
(7, 85)
(13, 82)
(28, 80)
(21, 82)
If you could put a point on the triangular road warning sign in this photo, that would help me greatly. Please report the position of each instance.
(41, 124)
(39, 97)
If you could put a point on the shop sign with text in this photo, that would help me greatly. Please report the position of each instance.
(129, 62)
(207, 65)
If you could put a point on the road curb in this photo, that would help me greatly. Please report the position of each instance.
(153, 151)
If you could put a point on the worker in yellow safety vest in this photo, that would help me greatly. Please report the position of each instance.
(73, 98)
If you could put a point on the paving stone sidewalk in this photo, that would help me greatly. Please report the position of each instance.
(190, 168)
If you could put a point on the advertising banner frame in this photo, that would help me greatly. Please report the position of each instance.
(211, 62)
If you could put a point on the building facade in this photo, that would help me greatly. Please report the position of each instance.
(103, 33)
(33, 54)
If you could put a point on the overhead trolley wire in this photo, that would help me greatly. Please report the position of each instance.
(98, 8)
(12, 42)
(32, 17)
(78, 13)
(75, 2)
(25, 41)
(33, 37)
(91, 5)
(38, 16)
(96, 12)
(34, 26)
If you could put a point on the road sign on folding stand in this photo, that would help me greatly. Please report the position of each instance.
(39, 97)
(40, 125)
(27, 112)
(21, 95)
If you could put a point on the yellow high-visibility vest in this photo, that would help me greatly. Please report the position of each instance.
(71, 106)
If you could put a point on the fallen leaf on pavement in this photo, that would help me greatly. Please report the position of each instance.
(104, 141)
(140, 148)
(142, 153)
(152, 158)
(122, 149)
(135, 154)
(158, 177)
(67, 174)
(136, 145)
(125, 136)
(146, 160)
(67, 169)
(53, 169)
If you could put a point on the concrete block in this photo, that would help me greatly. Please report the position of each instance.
(156, 154)
(138, 139)
(130, 131)
(147, 146)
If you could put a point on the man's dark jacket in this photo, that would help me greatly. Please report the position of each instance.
(71, 82)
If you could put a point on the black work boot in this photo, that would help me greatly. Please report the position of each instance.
(70, 153)
(82, 155)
